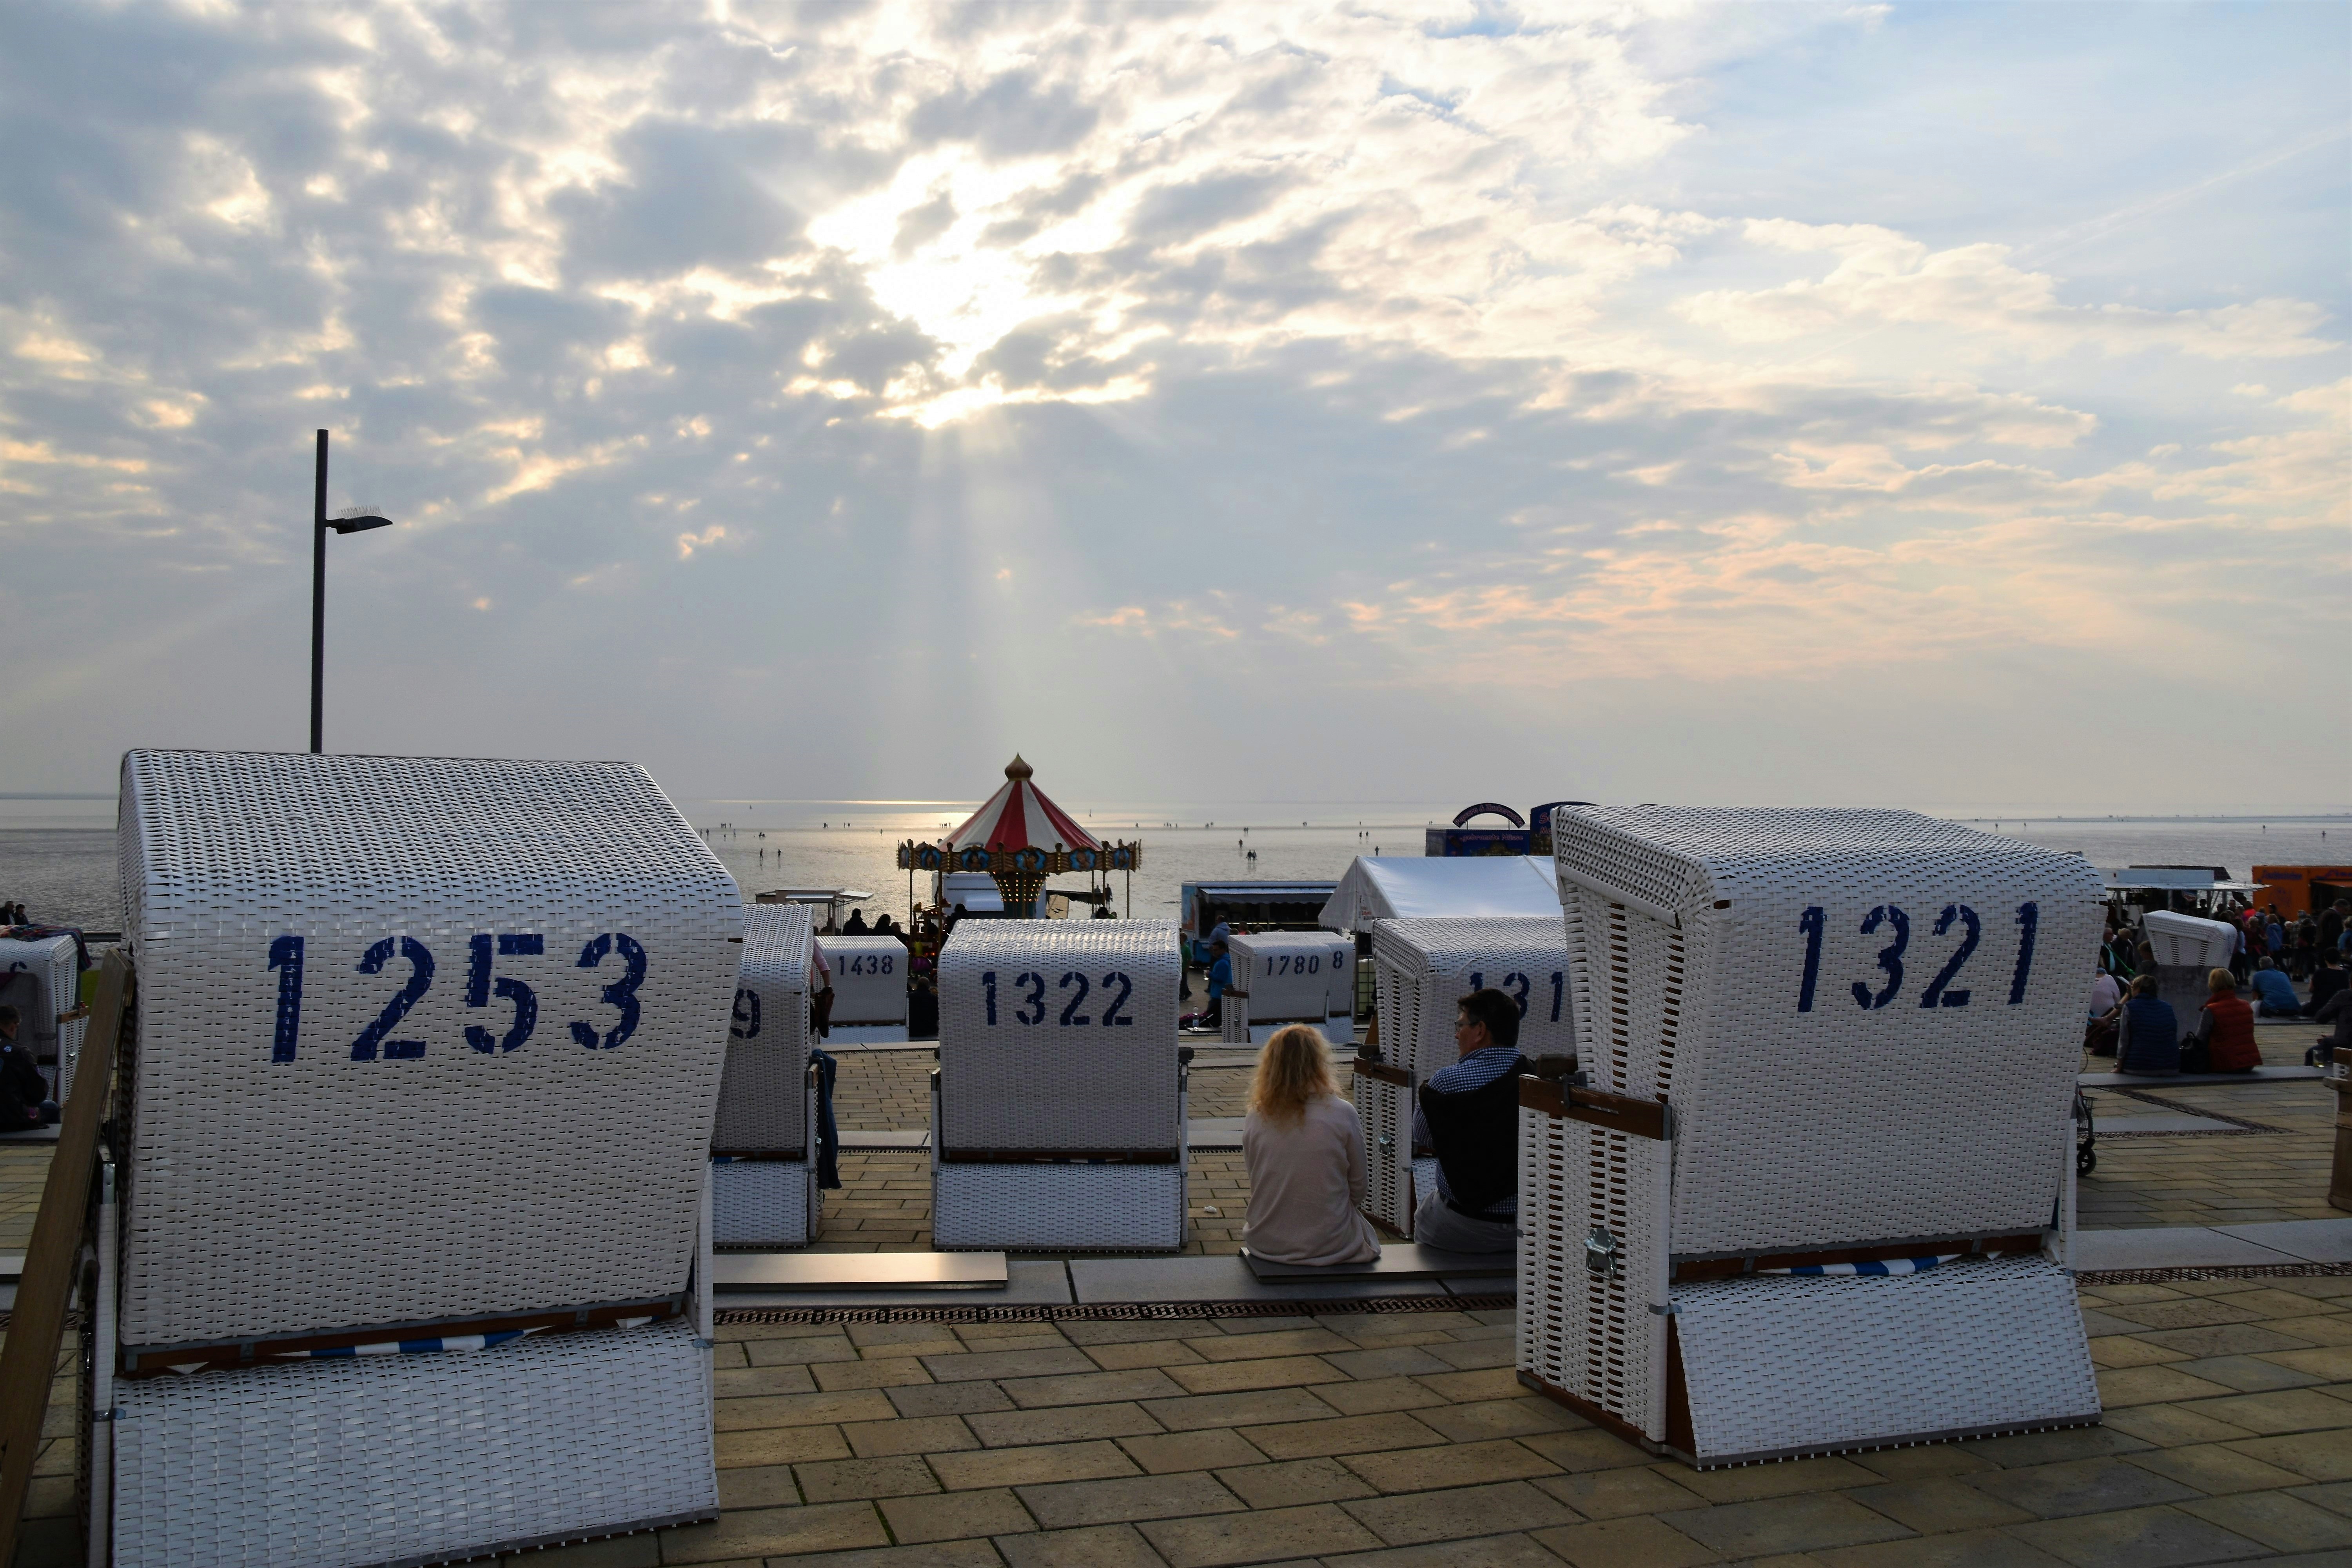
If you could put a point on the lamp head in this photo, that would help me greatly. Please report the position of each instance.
(357, 520)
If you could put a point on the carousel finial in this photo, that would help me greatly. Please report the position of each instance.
(1018, 769)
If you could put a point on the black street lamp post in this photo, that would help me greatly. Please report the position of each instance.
(319, 523)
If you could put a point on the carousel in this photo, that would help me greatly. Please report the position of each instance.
(1018, 839)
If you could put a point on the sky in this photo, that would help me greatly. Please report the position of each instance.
(1844, 403)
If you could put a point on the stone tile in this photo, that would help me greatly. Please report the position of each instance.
(1070, 1424)
(776, 1533)
(1486, 1552)
(956, 1516)
(2080, 1486)
(1143, 1353)
(1461, 1514)
(2335, 1328)
(1060, 1507)
(1500, 1352)
(1591, 1449)
(2121, 1387)
(2213, 1469)
(1293, 1481)
(2329, 1364)
(1624, 1543)
(1964, 1549)
(2140, 1538)
(1500, 1418)
(947, 1398)
(2229, 1339)
(882, 1372)
(1097, 1546)
(801, 1410)
(834, 1346)
(1031, 1467)
(2171, 1425)
(1260, 1347)
(1206, 1450)
(1341, 1435)
(2053, 1447)
(1090, 1388)
(1400, 1360)
(758, 1485)
(1923, 1463)
(2184, 1314)
(616, 1552)
(920, 1435)
(737, 1382)
(2333, 1495)
(2248, 1374)
(1114, 1333)
(1804, 1522)
(2279, 1522)
(842, 1480)
(1454, 1464)
(1614, 1494)
(2129, 1350)
(1317, 1530)
(2322, 1456)
(1234, 1376)
(1255, 1409)
(2286, 1410)
(928, 1336)
(1938, 1505)
(780, 1445)
(942, 1554)
(1486, 1382)
(1377, 1395)
(1749, 1483)
(995, 1364)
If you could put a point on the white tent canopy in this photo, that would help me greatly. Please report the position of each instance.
(1405, 888)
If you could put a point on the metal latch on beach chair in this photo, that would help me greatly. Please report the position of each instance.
(1601, 1253)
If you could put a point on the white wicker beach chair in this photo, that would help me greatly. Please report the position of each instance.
(1290, 977)
(417, 1121)
(869, 989)
(763, 1190)
(1058, 1110)
(1819, 1193)
(1422, 969)
(2188, 950)
(41, 978)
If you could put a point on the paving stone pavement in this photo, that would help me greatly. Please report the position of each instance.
(2227, 1179)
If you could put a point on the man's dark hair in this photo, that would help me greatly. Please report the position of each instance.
(7, 1014)
(1496, 1010)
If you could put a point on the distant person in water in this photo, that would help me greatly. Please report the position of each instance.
(857, 926)
(1304, 1147)
(25, 1102)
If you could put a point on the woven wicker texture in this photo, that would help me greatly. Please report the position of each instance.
(1059, 1036)
(2188, 941)
(869, 978)
(375, 1460)
(763, 1098)
(1590, 1331)
(418, 1038)
(41, 978)
(1966, 1346)
(1289, 977)
(1868, 1022)
(1386, 1112)
(765, 1203)
(1059, 1207)
(1438, 962)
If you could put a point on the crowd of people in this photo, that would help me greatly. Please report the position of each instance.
(2131, 1020)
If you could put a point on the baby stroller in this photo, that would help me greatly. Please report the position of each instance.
(2087, 1137)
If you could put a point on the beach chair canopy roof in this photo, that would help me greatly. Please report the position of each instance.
(1410, 887)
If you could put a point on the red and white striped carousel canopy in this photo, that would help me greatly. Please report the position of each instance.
(1019, 816)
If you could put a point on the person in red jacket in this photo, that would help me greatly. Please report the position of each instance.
(2225, 1037)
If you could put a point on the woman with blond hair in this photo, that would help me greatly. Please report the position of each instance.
(1305, 1149)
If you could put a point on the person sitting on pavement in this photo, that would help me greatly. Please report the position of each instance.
(2223, 1040)
(1468, 1116)
(2326, 979)
(2277, 992)
(2338, 1011)
(2147, 1042)
(2107, 994)
(25, 1102)
(1303, 1146)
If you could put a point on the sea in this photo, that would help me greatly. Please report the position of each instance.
(57, 856)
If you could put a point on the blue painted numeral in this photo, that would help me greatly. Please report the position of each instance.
(1936, 995)
(1810, 924)
(420, 980)
(621, 994)
(480, 987)
(1070, 1013)
(1890, 957)
(1125, 987)
(2029, 919)
(745, 1024)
